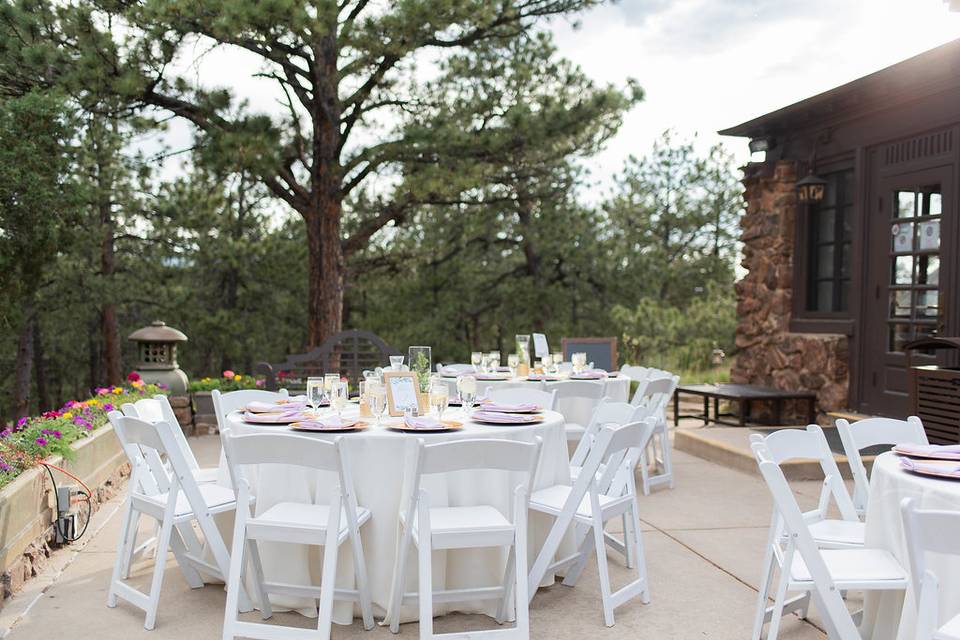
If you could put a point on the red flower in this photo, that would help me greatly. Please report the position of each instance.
(133, 376)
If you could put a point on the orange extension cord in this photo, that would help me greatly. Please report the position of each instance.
(70, 475)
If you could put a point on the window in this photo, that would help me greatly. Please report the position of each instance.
(829, 252)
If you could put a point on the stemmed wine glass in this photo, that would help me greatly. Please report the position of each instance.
(513, 361)
(476, 359)
(579, 361)
(467, 388)
(314, 393)
(338, 396)
(557, 360)
(376, 399)
(494, 361)
(439, 398)
(546, 361)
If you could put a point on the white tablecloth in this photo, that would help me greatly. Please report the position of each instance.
(617, 389)
(889, 615)
(381, 475)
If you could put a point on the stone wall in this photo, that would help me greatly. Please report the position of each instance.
(769, 353)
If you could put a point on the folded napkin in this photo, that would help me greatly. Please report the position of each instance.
(506, 407)
(423, 423)
(265, 407)
(507, 418)
(454, 370)
(541, 376)
(594, 374)
(279, 417)
(931, 467)
(490, 376)
(909, 448)
(325, 423)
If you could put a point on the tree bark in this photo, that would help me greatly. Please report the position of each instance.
(109, 329)
(326, 277)
(24, 364)
(40, 369)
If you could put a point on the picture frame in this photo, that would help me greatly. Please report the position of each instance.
(403, 390)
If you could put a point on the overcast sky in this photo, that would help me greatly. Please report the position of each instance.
(709, 64)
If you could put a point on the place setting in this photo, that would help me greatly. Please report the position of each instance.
(939, 461)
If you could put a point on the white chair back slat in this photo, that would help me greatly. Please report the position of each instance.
(492, 454)
(634, 372)
(655, 393)
(158, 409)
(928, 531)
(577, 399)
(606, 413)
(226, 403)
(872, 432)
(286, 449)
(508, 395)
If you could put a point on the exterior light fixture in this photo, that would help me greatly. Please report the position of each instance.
(810, 190)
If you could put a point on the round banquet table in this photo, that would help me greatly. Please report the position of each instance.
(888, 614)
(616, 388)
(380, 459)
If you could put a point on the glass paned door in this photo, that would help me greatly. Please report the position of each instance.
(913, 288)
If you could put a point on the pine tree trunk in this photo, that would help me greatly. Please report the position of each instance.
(326, 273)
(24, 364)
(40, 369)
(109, 329)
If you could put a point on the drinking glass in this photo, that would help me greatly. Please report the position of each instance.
(338, 396)
(396, 362)
(579, 361)
(546, 361)
(494, 361)
(557, 360)
(513, 361)
(485, 363)
(467, 388)
(377, 400)
(523, 348)
(329, 379)
(314, 392)
(476, 359)
(440, 398)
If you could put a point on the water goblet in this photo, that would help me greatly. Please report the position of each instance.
(494, 361)
(396, 363)
(467, 388)
(513, 361)
(546, 361)
(476, 359)
(557, 360)
(338, 397)
(439, 398)
(377, 400)
(314, 392)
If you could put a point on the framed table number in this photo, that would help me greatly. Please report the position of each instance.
(403, 391)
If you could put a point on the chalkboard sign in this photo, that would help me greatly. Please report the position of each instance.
(602, 352)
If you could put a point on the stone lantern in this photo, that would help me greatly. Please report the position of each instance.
(157, 356)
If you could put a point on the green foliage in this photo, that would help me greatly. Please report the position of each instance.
(230, 381)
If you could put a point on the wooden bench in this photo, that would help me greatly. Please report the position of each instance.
(744, 395)
(348, 353)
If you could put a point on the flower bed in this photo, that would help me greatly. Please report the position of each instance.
(229, 381)
(29, 441)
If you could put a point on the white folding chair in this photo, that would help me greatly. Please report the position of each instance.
(634, 372)
(869, 433)
(178, 502)
(226, 403)
(847, 533)
(326, 525)
(576, 400)
(432, 528)
(593, 500)
(654, 394)
(823, 574)
(158, 409)
(508, 395)
(929, 531)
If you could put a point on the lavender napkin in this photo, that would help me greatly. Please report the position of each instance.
(280, 417)
(423, 423)
(595, 374)
(265, 407)
(930, 467)
(323, 424)
(505, 407)
(502, 418)
(909, 448)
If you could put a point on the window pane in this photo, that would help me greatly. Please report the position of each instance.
(845, 260)
(825, 296)
(928, 235)
(927, 304)
(928, 269)
(825, 261)
(845, 215)
(844, 295)
(900, 304)
(830, 197)
(902, 270)
(904, 204)
(846, 184)
(826, 224)
(899, 334)
(902, 233)
(935, 205)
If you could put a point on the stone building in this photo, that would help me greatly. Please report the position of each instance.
(834, 290)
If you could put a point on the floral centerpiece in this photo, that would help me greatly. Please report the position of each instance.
(28, 441)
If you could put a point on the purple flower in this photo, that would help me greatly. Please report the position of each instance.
(57, 435)
(5, 433)
(4, 466)
(42, 441)
(46, 432)
(22, 421)
(107, 407)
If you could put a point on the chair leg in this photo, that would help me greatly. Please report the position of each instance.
(507, 586)
(764, 591)
(776, 615)
(266, 610)
(638, 552)
(360, 570)
(234, 575)
(219, 550)
(604, 570)
(425, 566)
(667, 460)
(159, 565)
(328, 577)
(118, 562)
(399, 581)
(522, 600)
(583, 555)
(644, 471)
(131, 546)
(627, 551)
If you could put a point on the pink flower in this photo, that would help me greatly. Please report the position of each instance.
(259, 383)
(102, 391)
(42, 441)
(228, 373)
(22, 422)
(133, 376)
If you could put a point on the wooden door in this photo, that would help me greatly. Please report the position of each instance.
(910, 263)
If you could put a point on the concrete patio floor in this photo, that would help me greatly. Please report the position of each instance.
(703, 542)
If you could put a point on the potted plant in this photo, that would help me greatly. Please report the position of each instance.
(200, 390)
